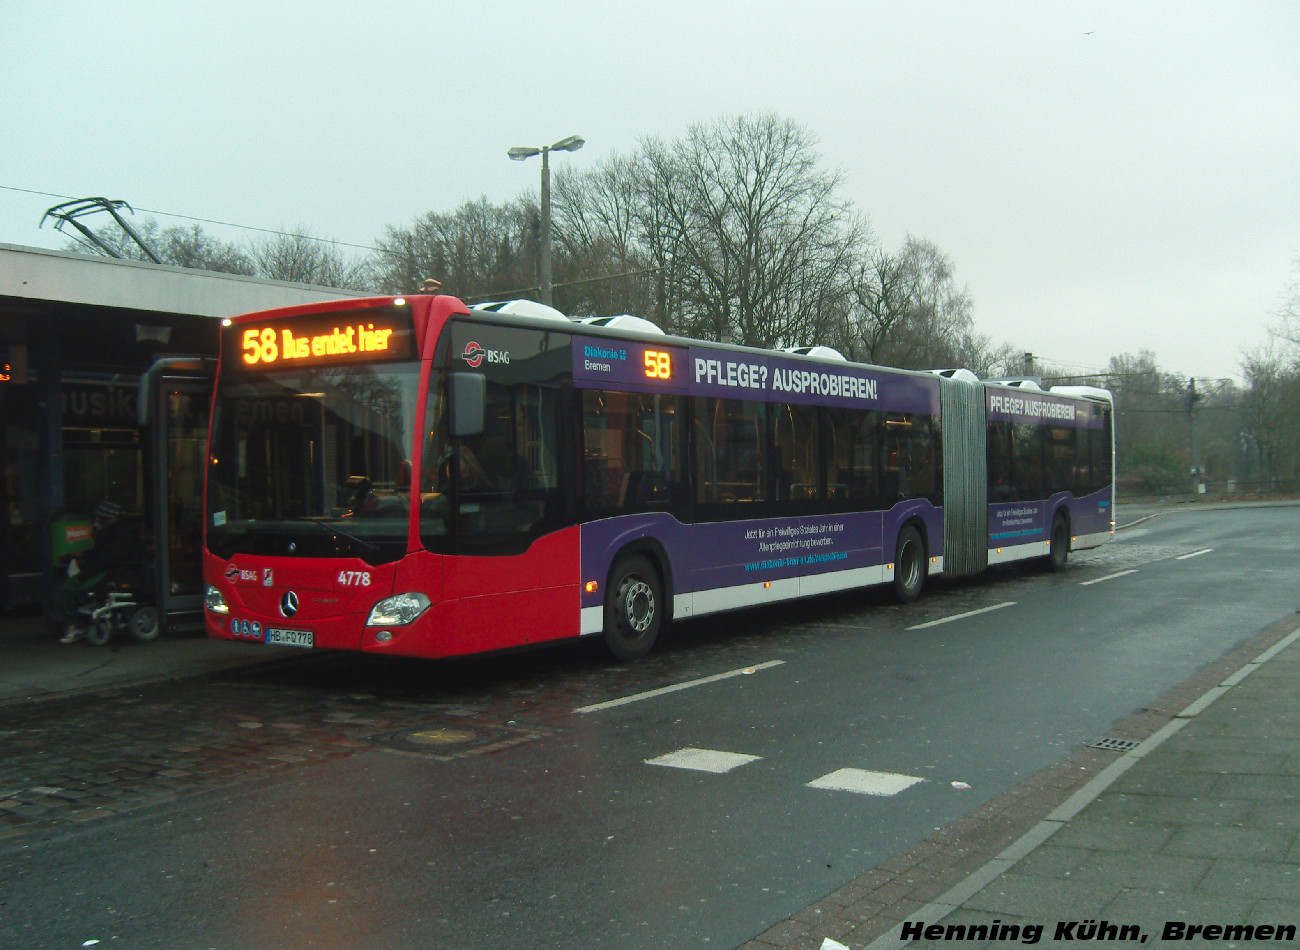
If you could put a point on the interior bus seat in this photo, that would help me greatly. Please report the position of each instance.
(644, 490)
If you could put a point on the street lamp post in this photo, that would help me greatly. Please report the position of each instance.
(521, 153)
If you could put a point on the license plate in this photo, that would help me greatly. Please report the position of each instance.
(289, 638)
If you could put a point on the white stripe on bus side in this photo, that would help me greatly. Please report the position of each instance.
(718, 599)
(700, 603)
(1018, 552)
(1091, 540)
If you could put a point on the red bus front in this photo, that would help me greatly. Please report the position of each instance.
(346, 510)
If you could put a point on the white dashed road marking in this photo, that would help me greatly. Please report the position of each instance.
(1184, 557)
(1108, 577)
(704, 760)
(865, 782)
(858, 781)
(969, 613)
(664, 690)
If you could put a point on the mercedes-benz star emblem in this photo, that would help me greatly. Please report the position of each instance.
(288, 604)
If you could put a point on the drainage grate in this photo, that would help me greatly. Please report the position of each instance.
(1114, 745)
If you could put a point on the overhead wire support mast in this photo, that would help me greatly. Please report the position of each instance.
(70, 211)
(1193, 400)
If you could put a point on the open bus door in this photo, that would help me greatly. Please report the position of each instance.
(175, 399)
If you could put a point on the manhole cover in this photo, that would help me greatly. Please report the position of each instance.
(439, 737)
(1114, 745)
(455, 741)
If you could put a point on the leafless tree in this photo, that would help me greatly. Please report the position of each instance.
(751, 228)
(301, 258)
(1271, 401)
(603, 265)
(478, 250)
(1288, 327)
(1151, 450)
(907, 310)
(1271, 413)
(178, 246)
(882, 293)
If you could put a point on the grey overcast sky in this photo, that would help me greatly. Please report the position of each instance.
(1107, 177)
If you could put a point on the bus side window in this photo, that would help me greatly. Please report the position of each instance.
(507, 490)
(1058, 442)
(1001, 486)
(912, 464)
(797, 455)
(631, 450)
(731, 456)
(852, 475)
(1027, 460)
(1102, 454)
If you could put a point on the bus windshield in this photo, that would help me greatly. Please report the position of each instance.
(313, 462)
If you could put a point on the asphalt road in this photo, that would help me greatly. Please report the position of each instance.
(552, 799)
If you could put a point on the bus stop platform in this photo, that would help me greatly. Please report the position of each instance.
(35, 666)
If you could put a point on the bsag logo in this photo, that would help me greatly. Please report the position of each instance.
(475, 354)
(234, 573)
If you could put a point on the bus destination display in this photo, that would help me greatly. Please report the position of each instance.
(357, 337)
(634, 366)
(628, 364)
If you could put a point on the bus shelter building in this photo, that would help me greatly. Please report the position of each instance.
(104, 395)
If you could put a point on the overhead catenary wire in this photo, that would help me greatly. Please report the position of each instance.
(224, 224)
(363, 247)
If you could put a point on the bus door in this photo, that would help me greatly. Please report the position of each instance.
(175, 399)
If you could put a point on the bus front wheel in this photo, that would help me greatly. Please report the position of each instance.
(634, 608)
(909, 566)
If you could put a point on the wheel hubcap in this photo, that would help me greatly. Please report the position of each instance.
(638, 604)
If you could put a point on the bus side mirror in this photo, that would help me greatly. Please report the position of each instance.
(468, 401)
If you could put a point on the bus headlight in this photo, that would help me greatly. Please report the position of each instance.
(397, 610)
(213, 600)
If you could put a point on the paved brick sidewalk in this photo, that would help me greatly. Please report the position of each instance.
(1199, 826)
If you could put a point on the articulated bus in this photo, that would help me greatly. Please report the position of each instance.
(412, 476)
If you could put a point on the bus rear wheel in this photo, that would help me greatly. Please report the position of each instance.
(634, 608)
(1060, 550)
(909, 566)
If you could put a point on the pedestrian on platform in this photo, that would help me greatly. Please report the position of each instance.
(115, 545)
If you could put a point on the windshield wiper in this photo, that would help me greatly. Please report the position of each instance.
(369, 547)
